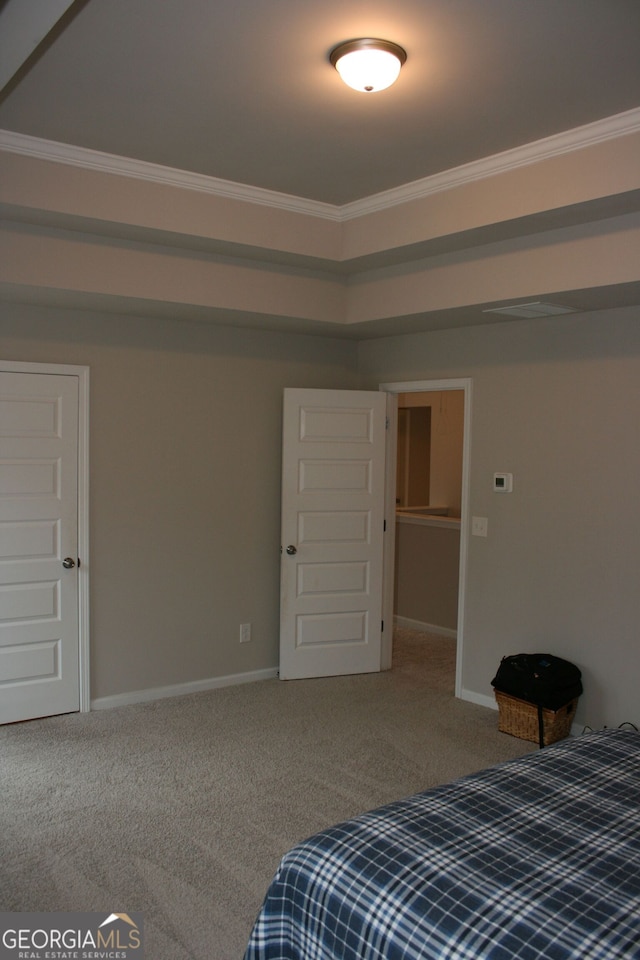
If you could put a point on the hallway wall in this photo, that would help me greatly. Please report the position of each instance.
(557, 403)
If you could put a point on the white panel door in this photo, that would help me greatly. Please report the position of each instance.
(333, 478)
(39, 648)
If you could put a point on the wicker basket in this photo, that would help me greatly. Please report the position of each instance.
(520, 719)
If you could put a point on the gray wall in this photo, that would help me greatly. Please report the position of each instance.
(185, 484)
(427, 565)
(557, 403)
(185, 478)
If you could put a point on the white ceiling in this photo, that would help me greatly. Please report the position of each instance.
(243, 90)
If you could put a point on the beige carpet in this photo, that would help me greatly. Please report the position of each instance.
(182, 808)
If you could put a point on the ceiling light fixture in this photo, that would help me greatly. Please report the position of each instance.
(368, 65)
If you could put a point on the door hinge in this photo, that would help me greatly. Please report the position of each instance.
(382, 627)
(387, 423)
(384, 526)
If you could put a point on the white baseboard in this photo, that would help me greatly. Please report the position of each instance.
(181, 689)
(424, 627)
(480, 698)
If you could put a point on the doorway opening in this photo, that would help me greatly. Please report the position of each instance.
(428, 470)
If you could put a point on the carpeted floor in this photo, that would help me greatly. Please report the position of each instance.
(182, 808)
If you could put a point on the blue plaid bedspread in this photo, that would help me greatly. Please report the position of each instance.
(535, 859)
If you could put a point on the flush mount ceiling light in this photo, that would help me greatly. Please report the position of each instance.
(368, 65)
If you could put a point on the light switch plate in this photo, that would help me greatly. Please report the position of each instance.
(479, 526)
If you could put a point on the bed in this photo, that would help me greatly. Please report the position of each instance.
(535, 859)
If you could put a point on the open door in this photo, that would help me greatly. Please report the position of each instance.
(333, 505)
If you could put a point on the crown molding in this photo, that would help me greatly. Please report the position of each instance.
(609, 128)
(87, 159)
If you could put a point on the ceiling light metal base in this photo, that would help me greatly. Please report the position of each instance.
(350, 46)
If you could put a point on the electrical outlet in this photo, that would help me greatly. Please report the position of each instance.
(245, 632)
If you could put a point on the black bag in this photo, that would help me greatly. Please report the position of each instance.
(539, 678)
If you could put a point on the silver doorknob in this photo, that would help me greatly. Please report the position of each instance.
(291, 550)
(68, 563)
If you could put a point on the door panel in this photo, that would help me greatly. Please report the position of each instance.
(333, 520)
(39, 648)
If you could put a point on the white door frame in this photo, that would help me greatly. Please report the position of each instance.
(82, 373)
(426, 386)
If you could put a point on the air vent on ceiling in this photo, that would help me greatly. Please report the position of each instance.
(530, 310)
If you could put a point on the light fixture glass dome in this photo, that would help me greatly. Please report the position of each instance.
(368, 65)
